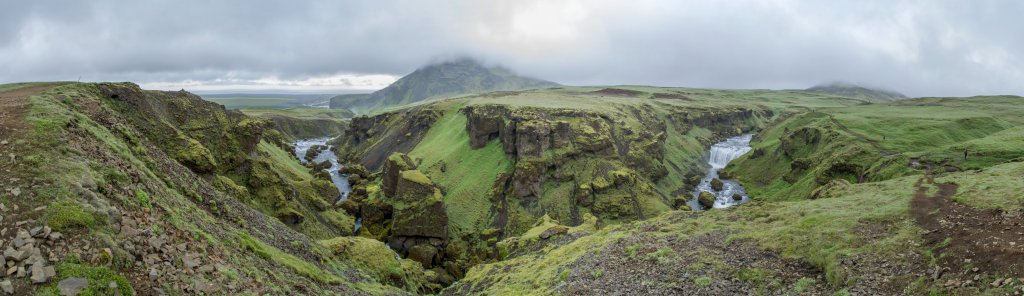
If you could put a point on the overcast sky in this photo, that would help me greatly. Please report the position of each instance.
(921, 48)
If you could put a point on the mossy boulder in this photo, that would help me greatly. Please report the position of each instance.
(737, 197)
(426, 218)
(706, 199)
(375, 257)
(717, 184)
(393, 166)
(413, 185)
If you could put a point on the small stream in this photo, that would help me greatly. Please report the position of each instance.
(340, 181)
(720, 155)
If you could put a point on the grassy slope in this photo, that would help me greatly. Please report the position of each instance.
(469, 173)
(301, 113)
(821, 232)
(50, 115)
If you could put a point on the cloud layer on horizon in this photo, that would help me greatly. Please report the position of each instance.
(921, 48)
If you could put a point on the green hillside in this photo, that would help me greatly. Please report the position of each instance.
(857, 92)
(554, 191)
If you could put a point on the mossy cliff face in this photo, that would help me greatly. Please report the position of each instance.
(370, 140)
(238, 152)
(499, 168)
(296, 128)
(200, 134)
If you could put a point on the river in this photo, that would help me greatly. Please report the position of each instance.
(340, 181)
(720, 155)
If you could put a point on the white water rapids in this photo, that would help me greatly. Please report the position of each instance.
(720, 155)
(340, 181)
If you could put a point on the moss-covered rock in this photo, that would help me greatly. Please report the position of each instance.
(706, 199)
(717, 184)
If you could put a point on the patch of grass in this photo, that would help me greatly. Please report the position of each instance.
(632, 250)
(803, 285)
(664, 255)
(143, 199)
(296, 264)
(66, 214)
(468, 173)
(99, 279)
(753, 275)
(703, 281)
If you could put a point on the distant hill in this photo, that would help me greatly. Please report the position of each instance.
(857, 92)
(349, 101)
(451, 78)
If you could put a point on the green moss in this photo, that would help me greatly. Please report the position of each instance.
(296, 264)
(380, 261)
(702, 281)
(143, 199)
(417, 177)
(68, 214)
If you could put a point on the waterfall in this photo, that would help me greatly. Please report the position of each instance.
(720, 155)
(724, 152)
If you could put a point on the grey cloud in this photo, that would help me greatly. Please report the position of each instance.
(917, 47)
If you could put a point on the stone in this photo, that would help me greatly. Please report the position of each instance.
(15, 191)
(112, 285)
(737, 197)
(7, 286)
(56, 236)
(72, 286)
(156, 242)
(717, 184)
(413, 186)
(553, 231)
(190, 261)
(153, 274)
(393, 165)
(706, 199)
(424, 254)
(39, 275)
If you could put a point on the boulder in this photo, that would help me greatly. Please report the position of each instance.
(706, 199)
(737, 197)
(354, 169)
(393, 166)
(424, 254)
(717, 184)
(426, 218)
(553, 231)
(72, 286)
(413, 185)
(7, 287)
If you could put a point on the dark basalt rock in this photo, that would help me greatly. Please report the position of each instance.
(393, 166)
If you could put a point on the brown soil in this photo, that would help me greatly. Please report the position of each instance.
(987, 239)
(14, 103)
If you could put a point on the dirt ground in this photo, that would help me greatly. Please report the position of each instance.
(973, 246)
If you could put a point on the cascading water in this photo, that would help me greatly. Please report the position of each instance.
(720, 155)
(340, 181)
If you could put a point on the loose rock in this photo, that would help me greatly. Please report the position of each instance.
(72, 286)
